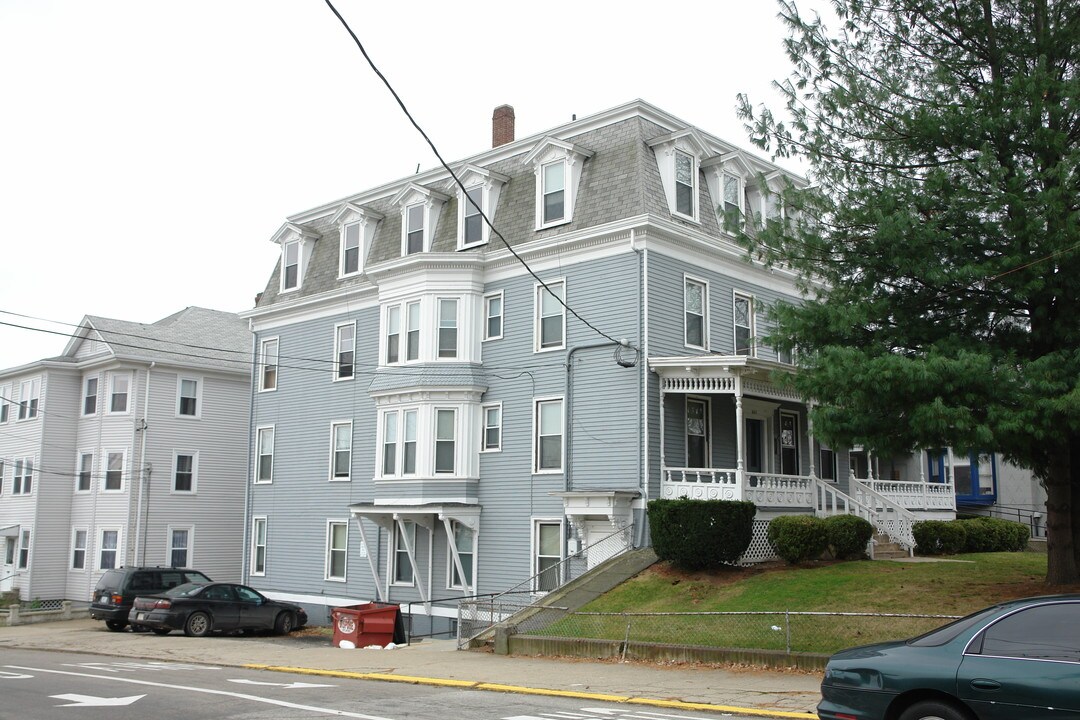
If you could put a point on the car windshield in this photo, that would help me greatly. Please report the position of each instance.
(945, 633)
(185, 590)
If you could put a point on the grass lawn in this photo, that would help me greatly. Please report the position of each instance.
(932, 588)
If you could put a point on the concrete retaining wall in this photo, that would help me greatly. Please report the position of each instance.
(14, 615)
(657, 652)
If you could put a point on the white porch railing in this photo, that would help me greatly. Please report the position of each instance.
(890, 517)
(701, 484)
(916, 495)
(769, 490)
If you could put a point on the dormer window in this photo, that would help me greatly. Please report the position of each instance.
(726, 176)
(558, 166)
(296, 245)
(420, 208)
(678, 158)
(350, 249)
(684, 184)
(290, 265)
(414, 229)
(732, 195)
(480, 197)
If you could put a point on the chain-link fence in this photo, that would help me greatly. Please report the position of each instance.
(816, 632)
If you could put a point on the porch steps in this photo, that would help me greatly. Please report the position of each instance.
(886, 549)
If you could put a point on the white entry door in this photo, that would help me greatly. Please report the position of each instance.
(7, 569)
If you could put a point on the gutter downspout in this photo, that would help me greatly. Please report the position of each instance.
(245, 558)
(144, 475)
(640, 528)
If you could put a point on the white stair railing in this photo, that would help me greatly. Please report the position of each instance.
(890, 517)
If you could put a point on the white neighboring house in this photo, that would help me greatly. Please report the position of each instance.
(129, 448)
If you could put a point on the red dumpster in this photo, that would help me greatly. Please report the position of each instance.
(366, 624)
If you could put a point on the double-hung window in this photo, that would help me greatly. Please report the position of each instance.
(412, 331)
(414, 229)
(22, 483)
(118, 393)
(341, 450)
(290, 265)
(463, 542)
(448, 328)
(184, 464)
(743, 317)
(695, 305)
(732, 197)
(258, 546)
(445, 440)
(114, 471)
(337, 549)
(399, 442)
(554, 191)
(90, 391)
(404, 538)
(188, 398)
(393, 334)
(350, 249)
(548, 435)
(86, 468)
(28, 399)
(5, 404)
(78, 549)
(551, 316)
(268, 364)
(492, 439)
(547, 548)
(108, 548)
(179, 547)
(264, 465)
(344, 351)
(493, 316)
(684, 183)
(24, 549)
(472, 224)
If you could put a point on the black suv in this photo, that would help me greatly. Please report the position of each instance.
(116, 590)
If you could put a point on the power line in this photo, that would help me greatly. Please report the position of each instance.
(457, 180)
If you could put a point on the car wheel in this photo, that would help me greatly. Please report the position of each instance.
(284, 623)
(933, 710)
(197, 625)
(115, 625)
(161, 631)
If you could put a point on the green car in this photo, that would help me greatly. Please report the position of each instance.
(1018, 660)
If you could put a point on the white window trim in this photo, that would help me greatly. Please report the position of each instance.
(366, 220)
(435, 410)
(112, 391)
(34, 394)
(695, 190)
(458, 329)
(85, 395)
(384, 335)
(391, 574)
(255, 520)
(704, 310)
(425, 238)
(85, 548)
(707, 402)
(198, 396)
(273, 440)
(337, 351)
(105, 470)
(450, 569)
(78, 470)
(342, 272)
(534, 548)
(483, 427)
(333, 449)
(190, 546)
(502, 315)
(735, 296)
(6, 403)
(304, 239)
(21, 464)
(537, 306)
(262, 364)
(536, 436)
(194, 472)
(548, 151)
(568, 214)
(490, 184)
(284, 268)
(330, 523)
(463, 206)
(27, 534)
(100, 547)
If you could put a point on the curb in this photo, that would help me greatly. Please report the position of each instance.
(495, 687)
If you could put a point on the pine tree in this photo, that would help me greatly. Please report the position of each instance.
(942, 264)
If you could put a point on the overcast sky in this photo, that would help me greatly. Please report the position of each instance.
(149, 149)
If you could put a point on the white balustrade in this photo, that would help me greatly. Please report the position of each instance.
(916, 495)
(701, 484)
(772, 490)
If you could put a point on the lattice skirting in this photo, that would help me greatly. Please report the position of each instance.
(760, 549)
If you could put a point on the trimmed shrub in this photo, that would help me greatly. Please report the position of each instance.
(798, 538)
(938, 537)
(987, 534)
(848, 536)
(701, 534)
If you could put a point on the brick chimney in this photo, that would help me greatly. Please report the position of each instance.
(502, 126)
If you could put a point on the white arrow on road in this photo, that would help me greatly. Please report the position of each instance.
(91, 701)
(13, 676)
(281, 685)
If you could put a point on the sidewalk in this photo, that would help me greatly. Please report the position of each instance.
(438, 662)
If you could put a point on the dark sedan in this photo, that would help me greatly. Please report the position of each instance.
(201, 608)
(1018, 660)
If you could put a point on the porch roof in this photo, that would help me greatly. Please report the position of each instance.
(723, 375)
(385, 515)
